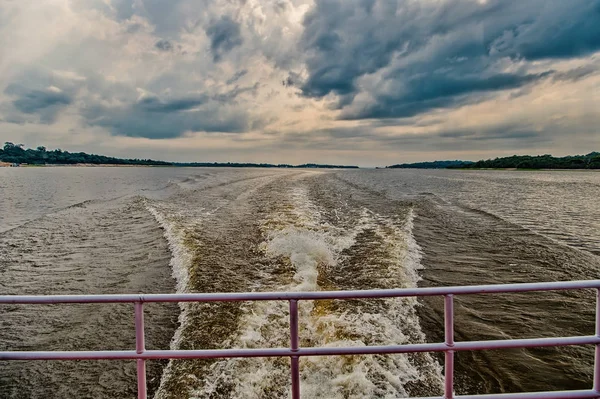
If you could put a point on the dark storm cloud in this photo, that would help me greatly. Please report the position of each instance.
(225, 35)
(36, 100)
(426, 92)
(576, 73)
(164, 45)
(153, 104)
(45, 103)
(134, 122)
(154, 118)
(123, 109)
(431, 55)
(230, 96)
(236, 76)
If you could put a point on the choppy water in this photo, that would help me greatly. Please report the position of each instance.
(75, 230)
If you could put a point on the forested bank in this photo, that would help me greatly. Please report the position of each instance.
(18, 154)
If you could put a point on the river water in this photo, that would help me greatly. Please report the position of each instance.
(130, 230)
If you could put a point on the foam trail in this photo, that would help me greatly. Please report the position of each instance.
(296, 236)
(314, 248)
(180, 258)
(180, 262)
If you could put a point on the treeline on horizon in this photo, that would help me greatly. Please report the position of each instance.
(430, 165)
(18, 154)
(589, 161)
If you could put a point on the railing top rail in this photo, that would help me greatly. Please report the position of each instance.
(302, 295)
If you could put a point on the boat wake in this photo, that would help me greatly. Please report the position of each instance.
(300, 249)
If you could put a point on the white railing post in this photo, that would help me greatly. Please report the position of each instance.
(294, 346)
(140, 348)
(449, 340)
(597, 352)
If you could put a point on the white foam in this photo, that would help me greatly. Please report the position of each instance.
(299, 235)
(180, 259)
(180, 263)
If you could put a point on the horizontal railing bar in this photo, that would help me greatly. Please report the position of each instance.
(529, 395)
(284, 352)
(536, 395)
(266, 296)
(148, 354)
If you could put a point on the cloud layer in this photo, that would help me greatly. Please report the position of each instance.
(356, 81)
(407, 58)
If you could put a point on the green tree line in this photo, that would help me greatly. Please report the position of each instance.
(16, 153)
(589, 161)
(430, 165)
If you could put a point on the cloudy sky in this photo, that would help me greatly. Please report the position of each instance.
(367, 82)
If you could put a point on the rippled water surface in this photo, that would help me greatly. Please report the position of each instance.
(560, 204)
(109, 230)
(29, 193)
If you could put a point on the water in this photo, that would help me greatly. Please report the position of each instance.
(559, 204)
(505, 227)
(30, 193)
(92, 230)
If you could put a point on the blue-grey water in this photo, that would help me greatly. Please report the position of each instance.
(109, 230)
(559, 204)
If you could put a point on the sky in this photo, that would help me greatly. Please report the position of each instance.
(362, 82)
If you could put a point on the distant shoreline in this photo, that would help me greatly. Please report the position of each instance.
(75, 165)
(515, 162)
(109, 165)
(532, 170)
(16, 155)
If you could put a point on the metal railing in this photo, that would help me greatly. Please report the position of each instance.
(294, 352)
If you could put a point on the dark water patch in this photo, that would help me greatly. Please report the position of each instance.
(89, 250)
(464, 248)
(464, 245)
(560, 205)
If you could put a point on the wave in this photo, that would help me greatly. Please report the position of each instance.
(179, 263)
(56, 211)
(314, 254)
